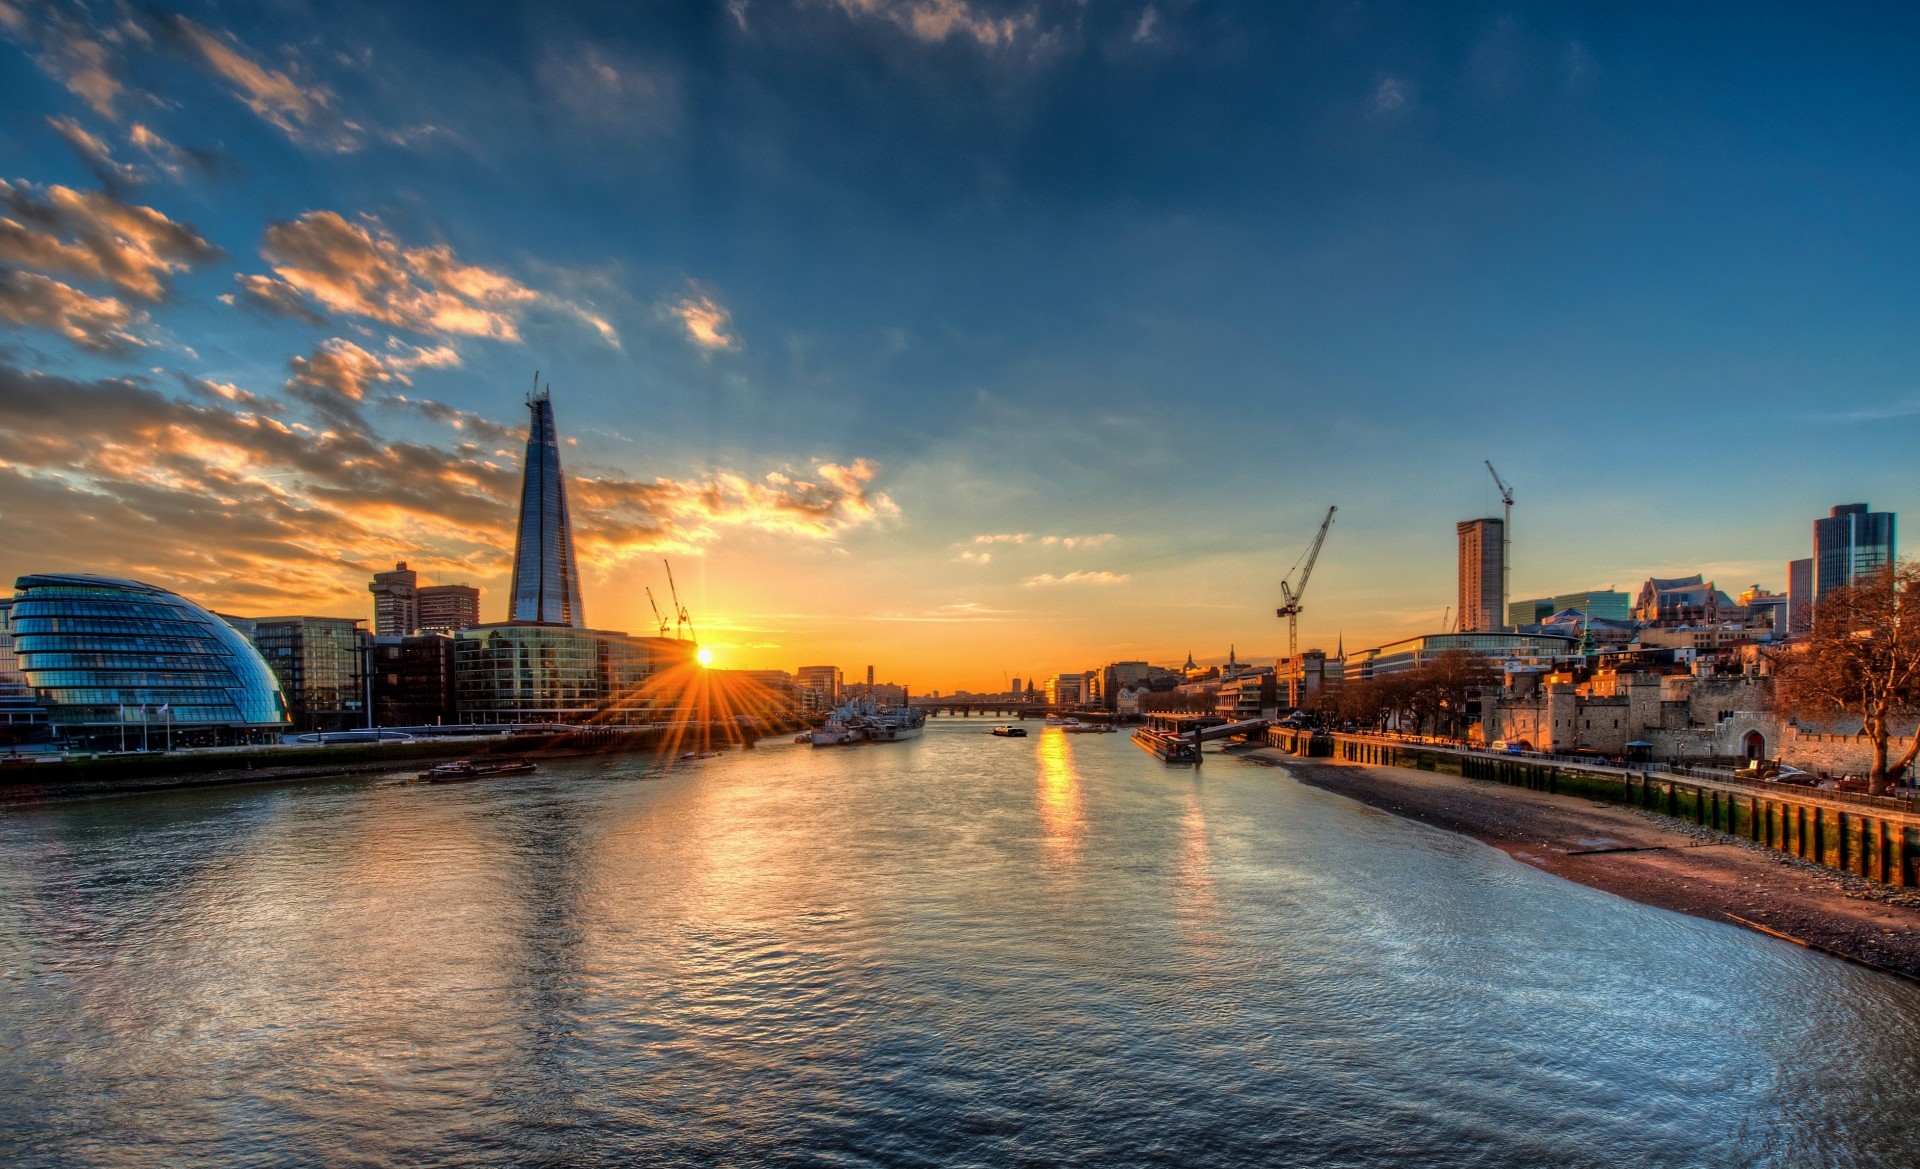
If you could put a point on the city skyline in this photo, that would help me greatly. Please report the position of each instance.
(1071, 380)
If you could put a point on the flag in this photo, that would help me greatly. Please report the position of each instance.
(162, 709)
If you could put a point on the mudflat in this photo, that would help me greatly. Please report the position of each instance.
(1644, 856)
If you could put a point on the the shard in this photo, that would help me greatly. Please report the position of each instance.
(546, 581)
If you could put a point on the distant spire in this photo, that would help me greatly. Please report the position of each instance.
(1340, 646)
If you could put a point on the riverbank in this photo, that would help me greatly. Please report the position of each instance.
(1643, 856)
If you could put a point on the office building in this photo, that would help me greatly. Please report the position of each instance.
(21, 714)
(318, 663)
(1483, 592)
(99, 653)
(524, 672)
(396, 601)
(821, 681)
(1311, 681)
(1608, 604)
(448, 608)
(410, 680)
(1504, 651)
(1799, 596)
(546, 580)
(1851, 542)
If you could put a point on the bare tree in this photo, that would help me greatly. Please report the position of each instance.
(1861, 660)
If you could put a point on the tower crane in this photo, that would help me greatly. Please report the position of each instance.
(1506, 544)
(681, 618)
(657, 618)
(1293, 594)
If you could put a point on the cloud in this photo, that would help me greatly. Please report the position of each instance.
(627, 516)
(98, 323)
(705, 321)
(1390, 95)
(176, 161)
(937, 20)
(1148, 29)
(71, 49)
(1075, 578)
(976, 557)
(361, 269)
(94, 236)
(113, 174)
(337, 376)
(1047, 541)
(301, 110)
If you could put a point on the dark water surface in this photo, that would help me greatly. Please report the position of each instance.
(956, 951)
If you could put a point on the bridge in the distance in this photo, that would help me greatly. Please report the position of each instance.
(1007, 708)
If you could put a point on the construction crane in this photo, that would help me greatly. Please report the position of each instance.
(681, 618)
(657, 618)
(1293, 594)
(1506, 543)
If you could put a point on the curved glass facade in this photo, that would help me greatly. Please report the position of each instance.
(96, 649)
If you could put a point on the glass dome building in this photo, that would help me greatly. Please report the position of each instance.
(100, 653)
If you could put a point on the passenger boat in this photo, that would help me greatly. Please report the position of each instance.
(1010, 732)
(1167, 746)
(1061, 720)
(466, 771)
(1076, 727)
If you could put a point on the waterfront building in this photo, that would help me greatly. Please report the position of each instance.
(1799, 596)
(1483, 590)
(396, 601)
(1311, 681)
(1851, 542)
(822, 681)
(99, 653)
(1070, 689)
(1510, 650)
(1254, 693)
(410, 680)
(448, 608)
(760, 693)
(526, 672)
(546, 580)
(22, 716)
(318, 663)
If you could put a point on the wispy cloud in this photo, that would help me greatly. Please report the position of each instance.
(1086, 577)
(1390, 95)
(324, 260)
(1046, 541)
(99, 323)
(95, 236)
(937, 20)
(1905, 406)
(705, 320)
(98, 155)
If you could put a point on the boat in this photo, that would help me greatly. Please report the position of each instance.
(1061, 720)
(1079, 728)
(847, 724)
(1009, 732)
(1168, 746)
(894, 723)
(466, 771)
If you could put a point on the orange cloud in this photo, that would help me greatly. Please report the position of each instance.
(94, 236)
(705, 321)
(1081, 577)
(99, 323)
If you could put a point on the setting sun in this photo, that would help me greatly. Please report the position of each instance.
(705, 656)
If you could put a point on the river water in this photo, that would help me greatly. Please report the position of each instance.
(960, 950)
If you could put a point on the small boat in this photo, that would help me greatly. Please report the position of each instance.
(466, 771)
(699, 754)
(1079, 728)
(1060, 720)
(1010, 732)
(1167, 746)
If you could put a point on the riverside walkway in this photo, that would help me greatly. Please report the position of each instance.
(1877, 837)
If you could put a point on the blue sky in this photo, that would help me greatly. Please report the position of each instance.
(1161, 281)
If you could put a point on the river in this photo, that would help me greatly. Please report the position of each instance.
(957, 951)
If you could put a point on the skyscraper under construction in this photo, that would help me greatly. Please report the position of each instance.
(546, 581)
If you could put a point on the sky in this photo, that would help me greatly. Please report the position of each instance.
(969, 339)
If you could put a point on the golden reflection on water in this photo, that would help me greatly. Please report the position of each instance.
(1062, 825)
(1197, 894)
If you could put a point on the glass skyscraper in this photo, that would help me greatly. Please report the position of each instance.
(546, 582)
(1851, 542)
(100, 652)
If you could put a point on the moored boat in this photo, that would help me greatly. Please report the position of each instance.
(1167, 746)
(466, 771)
(894, 723)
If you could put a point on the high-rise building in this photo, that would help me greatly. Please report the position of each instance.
(823, 681)
(396, 601)
(1483, 593)
(1851, 542)
(546, 581)
(448, 608)
(1800, 596)
(526, 672)
(410, 680)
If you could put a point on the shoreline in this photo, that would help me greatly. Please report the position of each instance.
(1643, 856)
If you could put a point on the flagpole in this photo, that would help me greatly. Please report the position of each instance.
(169, 709)
(143, 728)
(123, 728)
